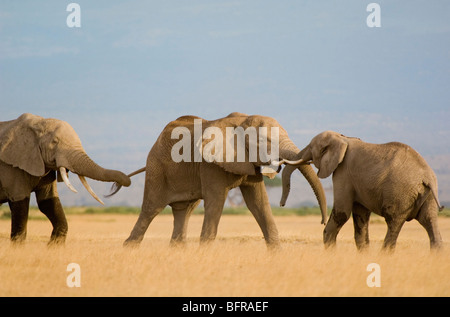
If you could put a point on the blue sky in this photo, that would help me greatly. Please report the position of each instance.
(133, 66)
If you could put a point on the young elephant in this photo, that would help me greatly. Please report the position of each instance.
(391, 180)
(178, 175)
(32, 151)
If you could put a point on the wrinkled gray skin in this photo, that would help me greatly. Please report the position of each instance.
(32, 150)
(391, 180)
(182, 185)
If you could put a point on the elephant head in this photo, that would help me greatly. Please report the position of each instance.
(256, 151)
(326, 150)
(37, 145)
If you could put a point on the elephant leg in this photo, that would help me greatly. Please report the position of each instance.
(53, 209)
(214, 200)
(337, 219)
(181, 213)
(256, 199)
(394, 225)
(148, 212)
(152, 204)
(19, 219)
(427, 217)
(361, 217)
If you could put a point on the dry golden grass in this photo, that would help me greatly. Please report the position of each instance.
(236, 264)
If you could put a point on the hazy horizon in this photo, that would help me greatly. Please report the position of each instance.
(134, 66)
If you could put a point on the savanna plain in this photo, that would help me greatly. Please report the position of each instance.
(238, 263)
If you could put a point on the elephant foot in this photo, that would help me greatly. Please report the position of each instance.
(387, 250)
(131, 243)
(57, 241)
(274, 246)
(205, 243)
(436, 246)
(175, 243)
(329, 241)
(18, 239)
(362, 248)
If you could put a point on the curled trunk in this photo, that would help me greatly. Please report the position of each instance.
(289, 151)
(81, 164)
(311, 176)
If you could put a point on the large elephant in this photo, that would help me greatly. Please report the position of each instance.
(391, 180)
(209, 175)
(33, 150)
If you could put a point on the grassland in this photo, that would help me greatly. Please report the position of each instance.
(236, 264)
(123, 210)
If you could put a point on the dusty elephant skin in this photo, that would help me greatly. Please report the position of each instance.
(182, 185)
(391, 180)
(33, 150)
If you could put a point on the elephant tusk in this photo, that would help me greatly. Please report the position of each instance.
(63, 173)
(298, 162)
(284, 161)
(277, 163)
(89, 189)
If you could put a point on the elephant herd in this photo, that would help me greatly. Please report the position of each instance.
(391, 180)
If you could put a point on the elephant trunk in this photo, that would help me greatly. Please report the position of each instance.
(80, 163)
(286, 177)
(311, 176)
(289, 151)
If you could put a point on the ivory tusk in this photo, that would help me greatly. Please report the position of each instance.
(284, 161)
(89, 189)
(277, 163)
(300, 161)
(63, 173)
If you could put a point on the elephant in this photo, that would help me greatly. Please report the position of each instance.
(182, 184)
(35, 153)
(391, 180)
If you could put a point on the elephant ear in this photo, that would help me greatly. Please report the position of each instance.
(218, 148)
(19, 145)
(332, 154)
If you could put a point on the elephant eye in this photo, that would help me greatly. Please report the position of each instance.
(323, 150)
(55, 141)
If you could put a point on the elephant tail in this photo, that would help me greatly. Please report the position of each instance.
(435, 196)
(116, 186)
